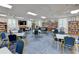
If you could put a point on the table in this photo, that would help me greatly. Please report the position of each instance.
(61, 36)
(5, 50)
(20, 34)
(15, 31)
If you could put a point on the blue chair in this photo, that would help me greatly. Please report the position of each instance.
(19, 46)
(12, 42)
(69, 41)
(4, 40)
(12, 38)
(3, 36)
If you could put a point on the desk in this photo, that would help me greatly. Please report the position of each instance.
(20, 34)
(61, 36)
(14, 31)
(5, 50)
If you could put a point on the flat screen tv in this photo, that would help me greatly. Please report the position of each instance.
(22, 22)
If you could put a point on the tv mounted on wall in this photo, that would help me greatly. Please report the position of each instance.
(22, 22)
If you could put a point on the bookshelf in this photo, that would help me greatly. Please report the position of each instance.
(50, 25)
(3, 26)
(53, 25)
(73, 27)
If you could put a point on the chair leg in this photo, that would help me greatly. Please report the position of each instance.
(62, 43)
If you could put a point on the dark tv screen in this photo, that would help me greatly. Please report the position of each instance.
(22, 22)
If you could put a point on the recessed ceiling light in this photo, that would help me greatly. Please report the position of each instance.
(3, 15)
(74, 11)
(6, 5)
(43, 17)
(30, 13)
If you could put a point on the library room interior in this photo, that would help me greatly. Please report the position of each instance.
(39, 29)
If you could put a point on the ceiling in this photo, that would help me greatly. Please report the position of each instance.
(48, 10)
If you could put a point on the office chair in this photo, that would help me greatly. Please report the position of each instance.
(3, 36)
(4, 40)
(12, 43)
(12, 38)
(19, 46)
(69, 41)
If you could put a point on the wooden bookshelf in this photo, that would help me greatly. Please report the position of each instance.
(50, 25)
(3, 26)
(53, 25)
(73, 27)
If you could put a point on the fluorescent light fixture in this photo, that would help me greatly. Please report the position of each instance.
(74, 11)
(43, 17)
(3, 15)
(6, 6)
(30, 13)
(20, 17)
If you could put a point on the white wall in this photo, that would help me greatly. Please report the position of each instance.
(3, 20)
(29, 23)
(12, 24)
(38, 22)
